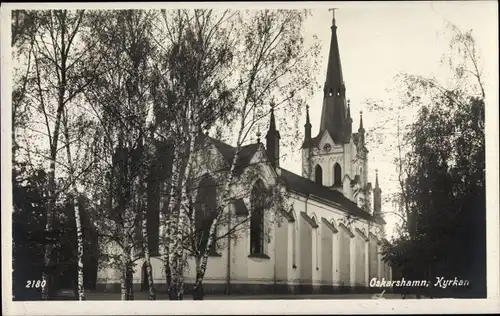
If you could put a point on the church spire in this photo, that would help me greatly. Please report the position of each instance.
(361, 128)
(273, 140)
(334, 103)
(307, 130)
(348, 124)
(377, 197)
(334, 79)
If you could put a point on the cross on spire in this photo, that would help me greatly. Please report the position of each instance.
(333, 14)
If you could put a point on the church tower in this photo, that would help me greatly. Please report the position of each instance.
(336, 158)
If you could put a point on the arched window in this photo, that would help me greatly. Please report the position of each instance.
(206, 211)
(257, 200)
(318, 175)
(337, 175)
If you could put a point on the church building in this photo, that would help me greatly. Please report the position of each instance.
(330, 239)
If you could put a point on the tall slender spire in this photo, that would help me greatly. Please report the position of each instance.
(334, 102)
(273, 140)
(308, 120)
(377, 197)
(272, 122)
(347, 128)
(334, 78)
(361, 128)
(307, 130)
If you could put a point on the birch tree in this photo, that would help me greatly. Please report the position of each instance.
(122, 104)
(195, 95)
(230, 73)
(55, 80)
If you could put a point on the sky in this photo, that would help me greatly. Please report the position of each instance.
(379, 40)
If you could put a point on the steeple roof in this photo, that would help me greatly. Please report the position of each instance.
(333, 115)
(272, 125)
(361, 128)
(334, 78)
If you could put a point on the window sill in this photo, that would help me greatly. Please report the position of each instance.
(259, 255)
(215, 254)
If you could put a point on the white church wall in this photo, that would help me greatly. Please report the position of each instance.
(262, 269)
(316, 255)
(240, 249)
(296, 254)
(353, 262)
(216, 268)
(336, 253)
(346, 187)
(327, 254)
(344, 257)
(360, 260)
(374, 258)
(367, 263)
(282, 250)
(347, 161)
(347, 250)
(306, 251)
(157, 269)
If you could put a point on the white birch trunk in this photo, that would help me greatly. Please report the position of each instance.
(180, 254)
(79, 232)
(124, 259)
(173, 202)
(128, 217)
(47, 259)
(145, 242)
(202, 264)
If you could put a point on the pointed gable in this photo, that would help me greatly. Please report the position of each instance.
(329, 225)
(309, 220)
(325, 139)
(227, 151)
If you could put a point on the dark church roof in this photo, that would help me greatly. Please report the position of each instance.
(308, 187)
(227, 151)
(292, 181)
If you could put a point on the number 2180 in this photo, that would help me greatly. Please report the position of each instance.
(35, 284)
